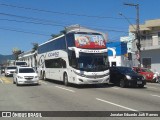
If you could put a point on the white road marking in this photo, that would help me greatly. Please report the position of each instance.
(64, 88)
(151, 87)
(116, 104)
(2, 81)
(115, 88)
(156, 95)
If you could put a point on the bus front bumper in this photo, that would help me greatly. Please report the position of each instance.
(83, 80)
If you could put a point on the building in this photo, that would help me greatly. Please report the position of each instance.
(150, 44)
(30, 57)
(128, 39)
(121, 58)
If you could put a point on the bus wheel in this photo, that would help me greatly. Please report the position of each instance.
(65, 79)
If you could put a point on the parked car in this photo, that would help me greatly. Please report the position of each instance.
(10, 70)
(25, 75)
(145, 72)
(126, 76)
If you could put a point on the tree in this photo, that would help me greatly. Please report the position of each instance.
(35, 47)
(16, 52)
(61, 33)
(34, 50)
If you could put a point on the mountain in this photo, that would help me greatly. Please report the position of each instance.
(4, 58)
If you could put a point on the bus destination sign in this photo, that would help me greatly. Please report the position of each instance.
(90, 41)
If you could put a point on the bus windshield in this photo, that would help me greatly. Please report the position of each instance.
(92, 62)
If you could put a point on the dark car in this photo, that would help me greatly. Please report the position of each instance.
(126, 76)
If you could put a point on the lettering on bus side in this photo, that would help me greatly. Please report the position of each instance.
(53, 54)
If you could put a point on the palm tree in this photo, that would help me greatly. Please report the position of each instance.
(16, 52)
(34, 50)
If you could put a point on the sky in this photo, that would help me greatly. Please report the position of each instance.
(24, 22)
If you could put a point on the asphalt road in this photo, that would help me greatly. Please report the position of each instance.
(54, 96)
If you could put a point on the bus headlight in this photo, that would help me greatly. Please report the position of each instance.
(80, 74)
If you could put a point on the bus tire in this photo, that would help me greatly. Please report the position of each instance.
(65, 79)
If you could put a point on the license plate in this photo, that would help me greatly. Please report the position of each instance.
(28, 81)
(139, 82)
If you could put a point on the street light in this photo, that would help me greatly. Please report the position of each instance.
(137, 30)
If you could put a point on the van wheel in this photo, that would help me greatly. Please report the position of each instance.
(65, 79)
(122, 83)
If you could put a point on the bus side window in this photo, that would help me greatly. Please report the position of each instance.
(72, 59)
(63, 63)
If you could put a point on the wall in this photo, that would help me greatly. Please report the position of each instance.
(155, 58)
(121, 50)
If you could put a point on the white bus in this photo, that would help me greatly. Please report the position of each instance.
(79, 56)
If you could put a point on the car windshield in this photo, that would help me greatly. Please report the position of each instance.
(126, 70)
(11, 67)
(26, 70)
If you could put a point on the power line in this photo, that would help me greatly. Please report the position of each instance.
(61, 25)
(62, 13)
(24, 17)
(14, 30)
(33, 22)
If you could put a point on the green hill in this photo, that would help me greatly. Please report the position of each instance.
(4, 58)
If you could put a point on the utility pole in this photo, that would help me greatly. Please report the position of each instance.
(138, 42)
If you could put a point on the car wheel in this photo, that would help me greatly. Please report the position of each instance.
(17, 83)
(153, 81)
(159, 80)
(65, 79)
(122, 83)
(14, 82)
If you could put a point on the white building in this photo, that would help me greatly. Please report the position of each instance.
(30, 57)
(150, 44)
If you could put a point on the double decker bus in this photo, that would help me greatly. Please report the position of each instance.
(78, 56)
